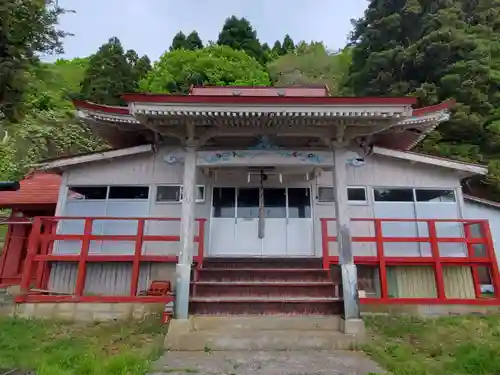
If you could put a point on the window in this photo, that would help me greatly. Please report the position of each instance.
(430, 195)
(128, 192)
(87, 192)
(173, 193)
(393, 195)
(354, 194)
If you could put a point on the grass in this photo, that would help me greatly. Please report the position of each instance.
(443, 346)
(57, 348)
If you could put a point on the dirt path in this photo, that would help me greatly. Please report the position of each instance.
(266, 363)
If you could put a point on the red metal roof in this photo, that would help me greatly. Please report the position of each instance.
(297, 91)
(38, 188)
(224, 99)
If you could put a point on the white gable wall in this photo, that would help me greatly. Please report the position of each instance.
(152, 170)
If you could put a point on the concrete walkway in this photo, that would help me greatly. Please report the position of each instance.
(265, 363)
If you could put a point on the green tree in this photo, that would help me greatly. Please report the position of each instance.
(179, 42)
(312, 64)
(109, 74)
(436, 50)
(277, 50)
(177, 70)
(48, 128)
(193, 40)
(27, 29)
(239, 34)
(142, 67)
(288, 45)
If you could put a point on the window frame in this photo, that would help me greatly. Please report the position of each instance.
(414, 194)
(350, 202)
(180, 186)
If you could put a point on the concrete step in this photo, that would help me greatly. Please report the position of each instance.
(262, 274)
(256, 340)
(265, 289)
(265, 306)
(225, 263)
(267, 323)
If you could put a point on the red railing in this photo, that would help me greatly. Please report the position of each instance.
(46, 232)
(483, 240)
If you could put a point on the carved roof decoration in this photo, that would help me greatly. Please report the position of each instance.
(389, 122)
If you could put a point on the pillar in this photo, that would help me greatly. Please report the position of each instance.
(344, 240)
(183, 268)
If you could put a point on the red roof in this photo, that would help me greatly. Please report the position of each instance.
(38, 188)
(224, 99)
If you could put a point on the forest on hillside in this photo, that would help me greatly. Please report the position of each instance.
(431, 49)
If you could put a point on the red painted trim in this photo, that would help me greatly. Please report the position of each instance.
(134, 282)
(470, 253)
(324, 243)
(33, 298)
(201, 242)
(101, 108)
(436, 261)
(224, 99)
(490, 251)
(262, 284)
(381, 258)
(434, 108)
(5, 250)
(267, 300)
(32, 251)
(82, 264)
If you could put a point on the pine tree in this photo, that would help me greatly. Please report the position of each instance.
(288, 45)
(179, 42)
(277, 48)
(193, 41)
(239, 35)
(109, 74)
(142, 67)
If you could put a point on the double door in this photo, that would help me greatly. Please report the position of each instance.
(257, 222)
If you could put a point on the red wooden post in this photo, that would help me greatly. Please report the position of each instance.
(324, 243)
(84, 253)
(201, 242)
(136, 266)
(438, 268)
(384, 294)
(470, 254)
(32, 252)
(490, 251)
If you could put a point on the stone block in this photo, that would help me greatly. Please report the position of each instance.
(45, 310)
(14, 290)
(354, 327)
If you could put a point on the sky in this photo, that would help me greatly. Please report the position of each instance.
(148, 26)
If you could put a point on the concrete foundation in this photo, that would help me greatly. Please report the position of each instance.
(257, 333)
(427, 310)
(354, 327)
(86, 312)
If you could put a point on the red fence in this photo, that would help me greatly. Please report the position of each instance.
(479, 254)
(40, 254)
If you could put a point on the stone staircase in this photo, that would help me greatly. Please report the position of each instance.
(262, 305)
(264, 287)
(259, 333)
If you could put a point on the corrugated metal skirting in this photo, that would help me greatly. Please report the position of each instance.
(112, 279)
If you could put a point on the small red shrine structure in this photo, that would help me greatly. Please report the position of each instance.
(37, 196)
